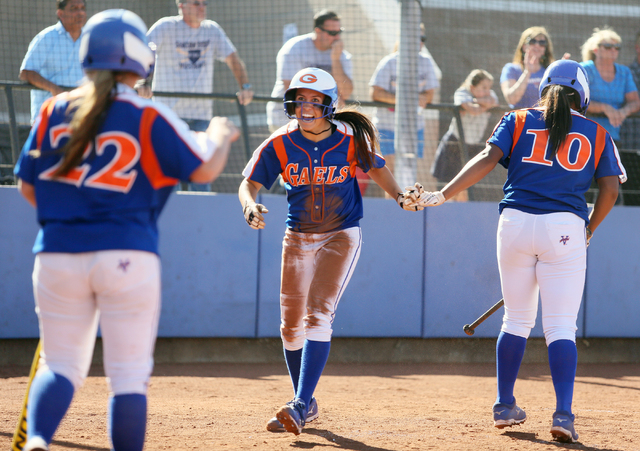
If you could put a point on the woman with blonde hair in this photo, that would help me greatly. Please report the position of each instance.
(520, 79)
(613, 91)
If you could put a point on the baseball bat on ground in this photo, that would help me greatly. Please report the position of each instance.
(469, 329)
(20, 435)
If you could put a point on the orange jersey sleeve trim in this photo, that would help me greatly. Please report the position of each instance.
(148, 159)
(281, 153)
(601, 136)
(45, 113)
(521, 117)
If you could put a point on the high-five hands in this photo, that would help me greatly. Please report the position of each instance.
(253, 215)
(409, 199)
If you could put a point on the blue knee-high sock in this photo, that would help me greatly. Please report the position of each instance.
(314, 359)
(509, 353)
(127, 421)
(294, 360)
(563, 361)
(49, 398)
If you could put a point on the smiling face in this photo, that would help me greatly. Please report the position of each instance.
(312, 115)
(536, 45)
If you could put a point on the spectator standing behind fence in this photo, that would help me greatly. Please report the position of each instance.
(614, 94)
(613, 91)
(52, 60)
(322, 48)
(630, 130)
(383, 86)
(475, 98)
(520, 78)
(186, 47)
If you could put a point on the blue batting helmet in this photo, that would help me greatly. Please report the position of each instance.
(571, 74)
(116, 39)
(316, 80)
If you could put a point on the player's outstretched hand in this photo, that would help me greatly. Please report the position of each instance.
(222, 131)
(433, 199)
(253, 215)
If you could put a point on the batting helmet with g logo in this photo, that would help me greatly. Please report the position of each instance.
(116, 39)
(317, 80)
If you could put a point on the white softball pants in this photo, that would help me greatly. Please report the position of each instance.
(316, 268)
(546, 255)
(118, 289)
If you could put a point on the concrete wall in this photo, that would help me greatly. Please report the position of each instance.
(421, 275)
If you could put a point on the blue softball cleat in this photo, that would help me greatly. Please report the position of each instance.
(293, 415)
(562, 428)
(273, 425)
(505, 415)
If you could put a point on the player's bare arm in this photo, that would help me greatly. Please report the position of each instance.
(474, 171)
(608, 193)
(237, 66)
(222, 132)
(253, 212)
(39, 81)
(385, 180)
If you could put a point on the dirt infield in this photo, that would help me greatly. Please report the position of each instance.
(363, 407)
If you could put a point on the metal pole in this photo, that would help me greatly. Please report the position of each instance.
(406, 126)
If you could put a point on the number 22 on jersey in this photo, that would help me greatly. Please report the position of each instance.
(575, 162)
(113, 176)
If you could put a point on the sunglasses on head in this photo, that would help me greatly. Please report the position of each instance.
(197, 3)
(610, 46)
(332, 32)
(540, 42)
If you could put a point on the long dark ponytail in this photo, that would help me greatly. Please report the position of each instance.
(364, 133)
(557, 101)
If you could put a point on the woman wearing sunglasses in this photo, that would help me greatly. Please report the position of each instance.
(520, 78)
(613, 92)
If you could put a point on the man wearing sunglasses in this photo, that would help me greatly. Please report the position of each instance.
(322, 48)
(186, 47)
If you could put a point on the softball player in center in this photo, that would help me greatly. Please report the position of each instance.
(317, 154)
(99, 166)
(552, 153)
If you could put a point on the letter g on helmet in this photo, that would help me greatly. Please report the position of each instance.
(318, 80)
(116, 39)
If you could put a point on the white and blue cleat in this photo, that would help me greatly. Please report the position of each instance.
(505, 415)
(274, 425)
(562, 428)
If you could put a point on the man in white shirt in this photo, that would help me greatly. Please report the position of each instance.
(186, 47)
(322, 48)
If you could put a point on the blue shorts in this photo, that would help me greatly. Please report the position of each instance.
(387, 146)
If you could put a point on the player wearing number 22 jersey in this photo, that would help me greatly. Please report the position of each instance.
(539, 184)
(99, 165)
(114, 197)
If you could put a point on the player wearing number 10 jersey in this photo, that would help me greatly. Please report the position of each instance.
(552, 153)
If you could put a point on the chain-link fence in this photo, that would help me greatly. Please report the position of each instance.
(459, 36)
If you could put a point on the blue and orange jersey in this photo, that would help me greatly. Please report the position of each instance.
(113, 198)
(538, 182)
(319, 177)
